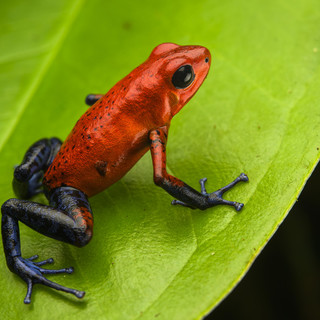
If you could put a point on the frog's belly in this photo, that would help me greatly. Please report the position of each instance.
(92, 165)
(98, 152)
(101, 174)
(89, 173)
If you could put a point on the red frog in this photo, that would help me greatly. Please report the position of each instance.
(114, 133)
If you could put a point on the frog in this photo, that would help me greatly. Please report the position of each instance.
(117, 129)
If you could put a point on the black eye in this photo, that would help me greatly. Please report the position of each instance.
(183, 77)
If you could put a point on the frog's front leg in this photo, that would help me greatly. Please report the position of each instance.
(186, 195)
(91, 99)
(68, 218)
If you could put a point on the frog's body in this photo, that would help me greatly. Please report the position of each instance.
(107, 140)
(114, 133)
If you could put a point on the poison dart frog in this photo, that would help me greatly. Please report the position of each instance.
(113, 134)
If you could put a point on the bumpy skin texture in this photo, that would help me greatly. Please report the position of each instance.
(115, 132)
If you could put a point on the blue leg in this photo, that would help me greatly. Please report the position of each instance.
(28, 175)
(69, 219)
(215, 198)
(91, 99)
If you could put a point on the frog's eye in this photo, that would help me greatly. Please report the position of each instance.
(183, 77)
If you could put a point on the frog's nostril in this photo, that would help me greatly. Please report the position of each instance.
(206, 60)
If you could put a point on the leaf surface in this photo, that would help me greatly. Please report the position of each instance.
(257, 112)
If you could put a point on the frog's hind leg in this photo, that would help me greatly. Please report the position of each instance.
(28, 175)
(91, 99)
(68, 218)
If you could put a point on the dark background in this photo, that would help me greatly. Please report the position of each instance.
(284, 281)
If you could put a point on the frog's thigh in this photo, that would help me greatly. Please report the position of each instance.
(68, 218)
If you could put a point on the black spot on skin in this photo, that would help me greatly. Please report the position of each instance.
(108, 114)
(73, 146)
(66, 161)
(101, 126)
(100, 117)
(95, 129)
(94, 118)
(88, 147)
(89, 137)
(101, 167)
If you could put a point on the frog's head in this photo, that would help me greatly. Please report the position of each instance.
(183, 69)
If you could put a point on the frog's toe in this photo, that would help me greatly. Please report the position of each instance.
(42, 280)
(238, 206)
(48, 261)
(33, 257)
(56, 286)
(243, 177)
(32, 273)
(51, 271)
(42, 263)
(27, 299)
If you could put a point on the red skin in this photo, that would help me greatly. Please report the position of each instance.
(114, 133)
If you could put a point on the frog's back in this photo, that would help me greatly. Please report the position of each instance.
(104, 144)
(113, 134)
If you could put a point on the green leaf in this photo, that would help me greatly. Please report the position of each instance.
(257, 112)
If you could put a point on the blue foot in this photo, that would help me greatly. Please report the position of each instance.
(32, 273)
(215, 198)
